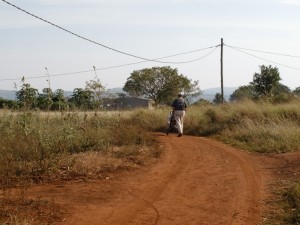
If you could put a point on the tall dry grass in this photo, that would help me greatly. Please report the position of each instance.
(258, 127)
(39, 147)
(33, 144)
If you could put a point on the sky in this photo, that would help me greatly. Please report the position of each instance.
(125, 35)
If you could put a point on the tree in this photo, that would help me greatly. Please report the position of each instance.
(265, 82)
(97, 91)
(82, 98)
(160, 84)
(242, 93)
(59, 100)
(45, 99)
(27, 96)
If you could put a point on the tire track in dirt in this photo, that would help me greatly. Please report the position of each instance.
(151, 205)
(198, 181)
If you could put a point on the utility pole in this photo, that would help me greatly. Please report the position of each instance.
(48, 77)
(96, 76)
(48, 94)
(222, 88)
(16, 88)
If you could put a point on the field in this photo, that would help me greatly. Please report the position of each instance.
(41, 148)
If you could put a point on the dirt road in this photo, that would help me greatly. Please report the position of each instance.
(198, 181)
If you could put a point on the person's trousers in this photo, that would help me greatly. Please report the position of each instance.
(179, 116)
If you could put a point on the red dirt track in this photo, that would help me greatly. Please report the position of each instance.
(197, 181)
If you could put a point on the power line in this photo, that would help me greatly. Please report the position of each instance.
(84, 38)
(72, 33)
(122, 65)
(273, 53)
(295, 68)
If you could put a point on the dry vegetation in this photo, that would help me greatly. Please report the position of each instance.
(284, 206)
(257, 127)
(39, 147)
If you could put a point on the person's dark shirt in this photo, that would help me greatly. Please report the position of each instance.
(179, 104)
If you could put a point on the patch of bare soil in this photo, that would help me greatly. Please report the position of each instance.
(197, 181)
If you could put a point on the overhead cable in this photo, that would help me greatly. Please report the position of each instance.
(295, 68)
(273, 53)
(117, 66)
(86, 39)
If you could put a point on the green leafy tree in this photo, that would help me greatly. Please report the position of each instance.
(160, 84)
(27, 96)
(97, 91)
(265, 82)
(242, 93)
(82, 98)
(44, 100)
(59, 100)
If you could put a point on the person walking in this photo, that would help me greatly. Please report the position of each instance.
(179, 106)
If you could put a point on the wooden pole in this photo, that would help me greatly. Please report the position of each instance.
(222, 88)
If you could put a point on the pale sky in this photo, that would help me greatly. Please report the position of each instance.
(148, 29)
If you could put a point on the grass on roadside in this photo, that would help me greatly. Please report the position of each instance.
(257, 127)
(293, 201)
(284, 208)
(38, 147)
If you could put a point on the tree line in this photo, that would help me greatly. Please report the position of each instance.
(265, 86)
(28, 98)
(158, 84)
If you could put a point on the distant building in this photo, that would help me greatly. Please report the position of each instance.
(126, 103)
